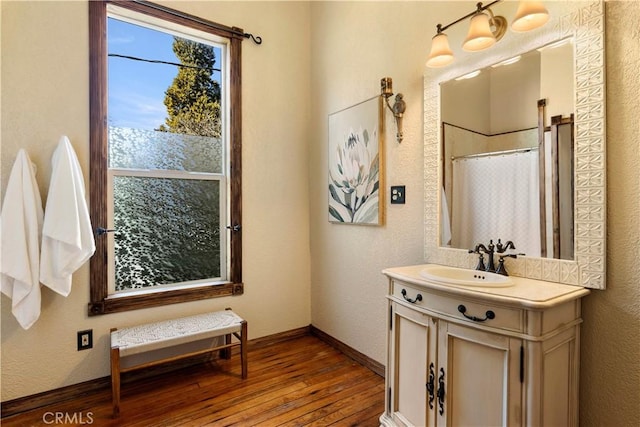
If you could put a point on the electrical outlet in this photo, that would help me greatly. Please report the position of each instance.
(85, 339)
(397, 194)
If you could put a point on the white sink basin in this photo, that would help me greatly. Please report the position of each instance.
(465, 277)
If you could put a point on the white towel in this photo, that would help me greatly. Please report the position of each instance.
(21, 227)
(67, 237)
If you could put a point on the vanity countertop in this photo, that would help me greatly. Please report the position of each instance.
(525, 292)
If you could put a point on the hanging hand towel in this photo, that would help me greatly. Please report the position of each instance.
(67, 236)
(21, 227)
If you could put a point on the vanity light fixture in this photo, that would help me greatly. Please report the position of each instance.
(441, 54)
(530, 15)
(386, 91)
(485, 30)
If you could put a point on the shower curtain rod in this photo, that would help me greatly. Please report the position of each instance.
(489, 134)
(494, 153)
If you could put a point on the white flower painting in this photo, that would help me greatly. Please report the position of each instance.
(354, 164)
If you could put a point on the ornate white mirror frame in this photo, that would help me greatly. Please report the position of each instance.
(584, 21)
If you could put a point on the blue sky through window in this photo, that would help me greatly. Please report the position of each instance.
(137, 88)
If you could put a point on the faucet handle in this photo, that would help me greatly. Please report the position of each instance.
(480, 266)
(500, 248)
(477, 249)
(501, 268)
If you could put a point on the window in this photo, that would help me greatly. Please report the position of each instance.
(165, 185)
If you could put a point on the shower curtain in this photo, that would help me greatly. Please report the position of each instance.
(496, 196)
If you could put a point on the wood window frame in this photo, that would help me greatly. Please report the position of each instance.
(100, 300)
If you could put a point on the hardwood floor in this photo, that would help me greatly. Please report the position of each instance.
(298, 382)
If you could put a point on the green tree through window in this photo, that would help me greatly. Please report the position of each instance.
(193, 100)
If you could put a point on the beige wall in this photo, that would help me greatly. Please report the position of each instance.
(311, 73)
(45, 94)
(610, 370)
(513, 103)
(467, 103)
(556, 80)
(353, 45)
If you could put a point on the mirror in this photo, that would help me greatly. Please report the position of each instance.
(503, 128)
(584, 265)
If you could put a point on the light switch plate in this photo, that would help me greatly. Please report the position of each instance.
(397, 194)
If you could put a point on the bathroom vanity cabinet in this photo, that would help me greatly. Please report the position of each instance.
(481, 355)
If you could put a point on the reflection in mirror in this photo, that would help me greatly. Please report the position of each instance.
(507, 150)
(583, 22)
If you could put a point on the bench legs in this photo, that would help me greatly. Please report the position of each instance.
(225, 353)
(242, 337)
(243, 348)
(115, 380)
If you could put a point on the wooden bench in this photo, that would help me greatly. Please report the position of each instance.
(151, 344)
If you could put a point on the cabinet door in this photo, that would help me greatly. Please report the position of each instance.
(412, 344)
(481, 375)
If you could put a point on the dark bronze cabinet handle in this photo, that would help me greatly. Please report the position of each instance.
(441, 392)
(488, 315)
(431, 385)
(412, 301)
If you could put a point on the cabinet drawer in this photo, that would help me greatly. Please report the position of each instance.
(485, 314)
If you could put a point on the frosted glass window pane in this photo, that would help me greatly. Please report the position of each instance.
(147, 149)
(167, 231)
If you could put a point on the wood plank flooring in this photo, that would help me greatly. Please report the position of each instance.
(298, 382)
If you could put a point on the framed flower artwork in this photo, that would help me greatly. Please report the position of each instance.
(356, 174)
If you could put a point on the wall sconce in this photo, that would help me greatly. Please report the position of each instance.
(485, 29)
(386, 90)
